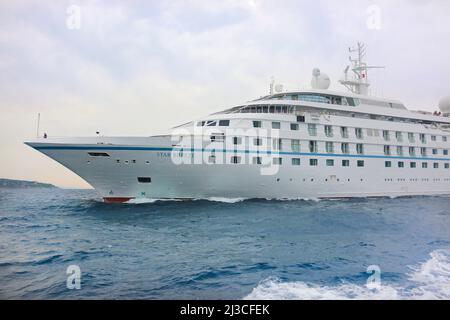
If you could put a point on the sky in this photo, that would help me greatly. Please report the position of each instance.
(140, 67)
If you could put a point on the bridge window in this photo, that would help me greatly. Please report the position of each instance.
(300, 118)
(256, 124)
(144, 179)
(294, 126)
(224, 123)
(276, 125)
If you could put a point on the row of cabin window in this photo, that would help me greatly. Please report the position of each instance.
(330, 162)
(401, 164)
(296, 161)
(345, 147)
(344, 131)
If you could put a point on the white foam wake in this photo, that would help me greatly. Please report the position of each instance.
(149, 200)
(226, 200)
(430, 280)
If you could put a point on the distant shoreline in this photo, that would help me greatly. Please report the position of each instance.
(16, 184)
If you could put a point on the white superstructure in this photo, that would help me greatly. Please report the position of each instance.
(304, 144)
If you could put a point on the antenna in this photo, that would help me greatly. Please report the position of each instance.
(272, 83)
(360, 82)
(38, 123)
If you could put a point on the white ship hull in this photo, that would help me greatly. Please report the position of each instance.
(118, 182)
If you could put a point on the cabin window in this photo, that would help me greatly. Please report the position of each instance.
(257, 160)
(424, 165)
(313, 162)
(433, 138)
(257, 141)
(359, 148)
(401, 164)
(312, 129)
(344, 132)
(412, 151)
(237, 140)
(400, 150)
(360, 163)
(98, 154)
(359, 133)
(399, 136)
(435, 151)
(211, 123)
(423, 152)
(412, 165)
(346, 163)
(277, 161)
(344, 148)
(445, 152)
(328, 131)
(294, 126)
(224, 123)
(235, 159)
(295, 145)
(411, 137)
(329, 147)
(276, 125)
(444, 138)
(447, 165)
(422, 138)
(313, 146)
(386, 135)
(436, 165)
(295, 161)
(330, 162)
(388, 164)
(300, 118)
(387, 150)
(351, 102)
(276, 144)
(144, 179)
(256, 124)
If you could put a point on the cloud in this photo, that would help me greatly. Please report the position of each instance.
(138, 67)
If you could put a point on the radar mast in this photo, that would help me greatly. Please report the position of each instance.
(359, 83)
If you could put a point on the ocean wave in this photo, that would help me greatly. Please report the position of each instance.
(429, 280)
(150, 200)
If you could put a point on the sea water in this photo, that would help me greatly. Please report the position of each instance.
(222, 248)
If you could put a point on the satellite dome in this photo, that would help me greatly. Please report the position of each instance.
(444, 105)
(320, 80)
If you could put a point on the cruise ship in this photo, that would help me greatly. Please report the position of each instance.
(312, 143)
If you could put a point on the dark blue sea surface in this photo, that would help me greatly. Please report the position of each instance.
(203, 249)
